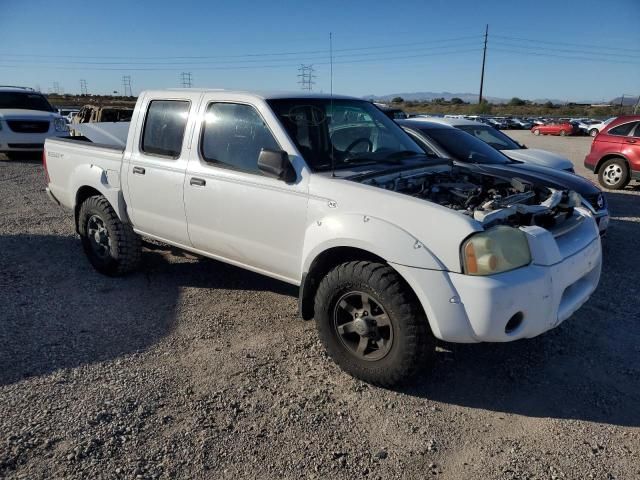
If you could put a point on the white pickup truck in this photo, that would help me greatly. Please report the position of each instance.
(391, 248)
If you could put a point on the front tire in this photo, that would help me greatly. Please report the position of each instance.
(371, 323)
(563, 133)
(593, 132)
(536, 132)
(614, 174)
(112, 247)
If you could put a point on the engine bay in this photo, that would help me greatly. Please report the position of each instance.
(488, 199)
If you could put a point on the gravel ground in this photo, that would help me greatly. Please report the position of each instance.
(195, 369)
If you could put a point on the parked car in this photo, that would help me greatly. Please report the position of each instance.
(390, 247)
(521, 124)
(584, 125)
(615, 153)
(68, 113)
(507, 145)
(26, 119)
(448, 142)
(393, 113)
(555, 128)
(596, 128)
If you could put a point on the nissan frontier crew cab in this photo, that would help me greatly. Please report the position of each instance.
(391, 248)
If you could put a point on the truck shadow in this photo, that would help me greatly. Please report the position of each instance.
(59, 313)
(587, 369)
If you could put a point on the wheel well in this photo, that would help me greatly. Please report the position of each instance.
(609, 157)
(83, 193)
(320, 266)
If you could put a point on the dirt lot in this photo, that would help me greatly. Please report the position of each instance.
(194, 369)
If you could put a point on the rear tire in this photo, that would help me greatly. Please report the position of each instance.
(371, 323)
(593, 132)
(113, 248)
(614, 174)
(536, 132)
(562, 133)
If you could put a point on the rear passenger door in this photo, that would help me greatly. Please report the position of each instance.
(619, 137)
(156, 168)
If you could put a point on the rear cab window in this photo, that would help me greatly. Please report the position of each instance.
(164, 127)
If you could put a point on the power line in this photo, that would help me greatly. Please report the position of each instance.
(186, 79)
(323, 56)
(263, 54)
(512, 44)
(375, 60)
(306, 77)
(548, 42)
(571, 57)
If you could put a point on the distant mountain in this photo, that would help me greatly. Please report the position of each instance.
(428, 96)
(473, 98)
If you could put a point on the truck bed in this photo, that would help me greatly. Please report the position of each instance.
(71, 161)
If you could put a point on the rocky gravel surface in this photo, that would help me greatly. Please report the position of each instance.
(194, 369)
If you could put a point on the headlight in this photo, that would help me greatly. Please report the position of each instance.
(497, 250)
(60, 125)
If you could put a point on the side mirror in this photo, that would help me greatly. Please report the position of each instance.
(276, 164)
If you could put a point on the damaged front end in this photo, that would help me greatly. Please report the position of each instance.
(489, 199)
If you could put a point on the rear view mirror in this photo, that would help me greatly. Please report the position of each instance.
(276, 164)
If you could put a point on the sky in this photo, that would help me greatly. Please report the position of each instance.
(566, 50)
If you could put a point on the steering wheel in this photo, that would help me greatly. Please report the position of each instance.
(358, 141)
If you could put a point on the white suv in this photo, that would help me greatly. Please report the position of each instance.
(26, 119)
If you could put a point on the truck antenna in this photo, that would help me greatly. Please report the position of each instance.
(333, 162)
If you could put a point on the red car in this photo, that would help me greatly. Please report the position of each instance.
(615, 153)
(554, 128)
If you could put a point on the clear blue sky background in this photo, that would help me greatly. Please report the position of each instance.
(604, 33)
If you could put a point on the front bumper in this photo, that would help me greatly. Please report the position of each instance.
(11, 141)
(468, 309)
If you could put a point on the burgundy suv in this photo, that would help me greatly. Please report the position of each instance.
(615, 153)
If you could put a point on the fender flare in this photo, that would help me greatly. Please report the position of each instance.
(105, 182)
(362, 236)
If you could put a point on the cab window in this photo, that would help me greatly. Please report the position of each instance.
(233, 135)
(623, 130)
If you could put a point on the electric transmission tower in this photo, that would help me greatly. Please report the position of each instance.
(83, 87)
(306, 77)
(126, 86)
(187, 79)
(56, 88)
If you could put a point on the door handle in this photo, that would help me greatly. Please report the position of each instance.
(197, 182)
(138, 170)
(631, 141)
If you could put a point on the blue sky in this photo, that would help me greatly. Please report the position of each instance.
(569, 50)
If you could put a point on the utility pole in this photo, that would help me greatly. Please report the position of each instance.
(637, 106)
(186, 79)
(306, 77)
(621, 104)
(484, 57)
(83, 87)
(126, 86)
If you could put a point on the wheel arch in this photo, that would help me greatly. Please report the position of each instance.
(610, 156)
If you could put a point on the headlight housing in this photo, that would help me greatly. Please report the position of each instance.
(60, 125)
(496, 250)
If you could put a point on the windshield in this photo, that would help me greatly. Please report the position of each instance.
(464, 147)
(489, 135)
(24, 101)
(354, 131)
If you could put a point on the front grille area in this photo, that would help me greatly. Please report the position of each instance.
(28, 126)
(26, 145)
